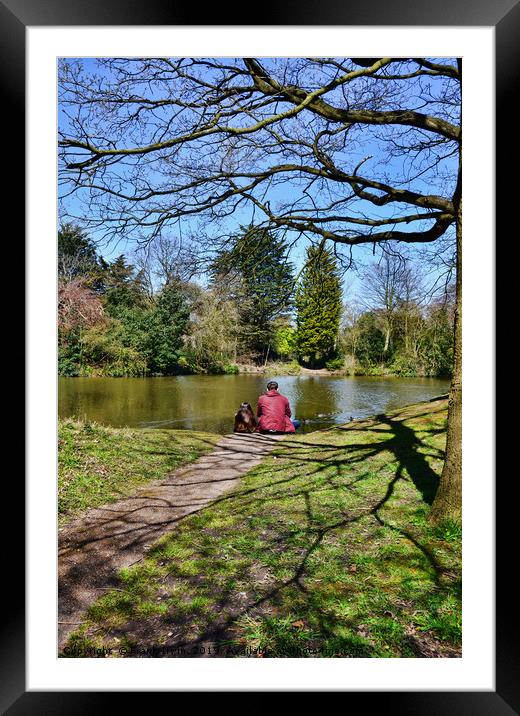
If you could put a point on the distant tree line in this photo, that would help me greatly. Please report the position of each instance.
(149, 317)
(397, 327)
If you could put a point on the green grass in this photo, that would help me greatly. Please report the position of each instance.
(323, 550)
(98, 464)
(283, 368)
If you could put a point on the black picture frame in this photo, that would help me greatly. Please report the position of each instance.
(504, 16)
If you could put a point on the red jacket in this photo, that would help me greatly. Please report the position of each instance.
(274, 412)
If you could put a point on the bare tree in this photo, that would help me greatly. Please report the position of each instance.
(354, 151)
(165, 260)
(214, 328)
(413, 297)
(382, 292)
(78, 305)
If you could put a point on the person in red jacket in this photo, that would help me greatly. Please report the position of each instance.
(274, 412)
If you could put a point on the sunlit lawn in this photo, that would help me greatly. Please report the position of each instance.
(98, 464)
(323, 550)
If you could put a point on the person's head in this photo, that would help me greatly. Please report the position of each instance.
(246, 406)
(272, 385)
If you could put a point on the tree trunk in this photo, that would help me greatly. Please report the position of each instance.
(387, 340)
(448, 500)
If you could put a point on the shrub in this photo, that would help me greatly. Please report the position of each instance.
(405, 366)
(335, 363)
(68, 367)
(104, 354)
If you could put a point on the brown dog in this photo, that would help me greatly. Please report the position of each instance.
(245, 421)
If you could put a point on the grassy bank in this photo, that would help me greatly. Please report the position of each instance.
(323, 550)
(347, 368)
(98, 464)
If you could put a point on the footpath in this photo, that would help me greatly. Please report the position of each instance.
(93, 548)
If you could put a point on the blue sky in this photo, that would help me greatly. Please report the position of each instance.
(74, 206)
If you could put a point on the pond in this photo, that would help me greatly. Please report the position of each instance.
(209, 402)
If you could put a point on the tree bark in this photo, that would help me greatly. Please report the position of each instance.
(447, 504)
(387, 340)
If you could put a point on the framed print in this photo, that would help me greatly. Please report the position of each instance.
(49, 50)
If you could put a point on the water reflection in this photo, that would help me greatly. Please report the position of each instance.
(209, 402)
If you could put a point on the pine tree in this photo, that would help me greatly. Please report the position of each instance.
(165, 327)
(318, 307)
(259, 278)
(124, 287)
(77, 257)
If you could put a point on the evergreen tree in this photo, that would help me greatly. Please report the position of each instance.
(124, 288)
(318, 306)
(166, 325)
(77, 257)
(260, 281)
(370, 345)
(436, 344)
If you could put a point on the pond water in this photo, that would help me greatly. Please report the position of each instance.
(209, 402)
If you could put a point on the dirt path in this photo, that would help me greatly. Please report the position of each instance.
(94, 547)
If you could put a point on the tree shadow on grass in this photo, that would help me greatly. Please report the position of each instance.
(406, 445)
(315, 460)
